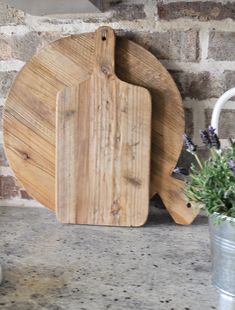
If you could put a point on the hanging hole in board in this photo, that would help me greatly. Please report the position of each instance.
(103, 38)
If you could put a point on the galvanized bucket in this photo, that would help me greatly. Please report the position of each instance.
(223, 259)
(223, 236)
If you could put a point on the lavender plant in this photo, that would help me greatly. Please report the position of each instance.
(212, 185)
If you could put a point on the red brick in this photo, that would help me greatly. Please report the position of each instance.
(229, 77)
(200, 85)
(202, 10)
(26, 46)
(172, 45)
(221, 46)
(125, 11)
(25, 195)
(3, 159)
(8, 188)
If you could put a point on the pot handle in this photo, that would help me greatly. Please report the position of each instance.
(218, 106)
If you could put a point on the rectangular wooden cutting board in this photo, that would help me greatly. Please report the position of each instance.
(103, 146)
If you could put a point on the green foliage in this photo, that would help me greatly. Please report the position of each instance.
(213, 187)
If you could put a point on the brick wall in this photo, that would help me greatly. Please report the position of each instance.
(195, 41)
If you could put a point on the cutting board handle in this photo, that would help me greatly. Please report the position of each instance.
(105, 51)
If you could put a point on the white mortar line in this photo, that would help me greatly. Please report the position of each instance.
(2, 101)
(74, 27)
(216, 67)
(11, 65)
(150, 10)
(209, 65)
(207, 104)
(66, 18)
(230, 105)
(16, 30)
(224, 143)
(204, 43)
(6, 171)
(198, 122)
(18, 202)
(183, 24)
(76, 24)
(218, 1)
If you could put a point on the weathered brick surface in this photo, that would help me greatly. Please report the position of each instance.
(9, 188)
(189, 126)
(125, 11)
(6, 79)
(198, 85)
(26, 46)
(23, 47)
(229, 79)
(204, 11)
(3, 159)
(5, 48)
(1, 112)
(10, 16)
(24, 194)
(49, 37)
(221, 45)
(226, 122)
(172, 45)
(203, 85)
(118, 11)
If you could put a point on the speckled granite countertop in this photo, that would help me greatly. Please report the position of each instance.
(48, 265)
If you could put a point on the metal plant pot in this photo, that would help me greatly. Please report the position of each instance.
(223, 236)
(223, 259)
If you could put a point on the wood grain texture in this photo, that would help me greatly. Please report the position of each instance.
(103, 146)
(30, 114)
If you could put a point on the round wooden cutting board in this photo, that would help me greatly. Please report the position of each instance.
(29, 117)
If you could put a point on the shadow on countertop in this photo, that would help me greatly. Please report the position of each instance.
(159, 215)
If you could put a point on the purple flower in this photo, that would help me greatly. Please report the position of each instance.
(213, 137)
(205, 138)
(181, 170)
(231, 164)
(190, 146)
(211, 130)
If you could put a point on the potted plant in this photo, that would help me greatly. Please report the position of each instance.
(211, 185)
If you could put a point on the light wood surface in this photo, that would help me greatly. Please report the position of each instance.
(103, 146)
(29, 118)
